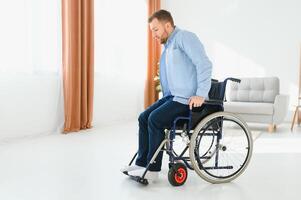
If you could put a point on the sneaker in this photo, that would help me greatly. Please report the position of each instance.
(150, 175)
(130, 168)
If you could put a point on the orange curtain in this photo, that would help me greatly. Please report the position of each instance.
(154, 51)
(78, 63)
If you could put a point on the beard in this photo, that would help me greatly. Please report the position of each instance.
(164, 38)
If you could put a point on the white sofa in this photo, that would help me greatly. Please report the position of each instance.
(258, 100)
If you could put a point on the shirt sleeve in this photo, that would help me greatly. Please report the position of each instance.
(195, 51)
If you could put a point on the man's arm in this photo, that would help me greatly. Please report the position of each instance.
(194, 49)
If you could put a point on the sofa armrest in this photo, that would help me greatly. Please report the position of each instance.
(280, 108)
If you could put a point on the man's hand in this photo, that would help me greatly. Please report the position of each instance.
(195, 101)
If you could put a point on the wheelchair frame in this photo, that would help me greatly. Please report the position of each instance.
(187, 132)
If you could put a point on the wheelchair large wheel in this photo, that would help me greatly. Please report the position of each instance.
(220, 147)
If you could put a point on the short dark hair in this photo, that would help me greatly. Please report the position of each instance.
(161, 15)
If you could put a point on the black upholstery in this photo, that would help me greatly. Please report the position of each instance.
(215, 104)
(204, 111)
(217, 90)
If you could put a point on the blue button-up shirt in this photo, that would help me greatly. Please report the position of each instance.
(185, 69)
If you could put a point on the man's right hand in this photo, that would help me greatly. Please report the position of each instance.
(196, 101)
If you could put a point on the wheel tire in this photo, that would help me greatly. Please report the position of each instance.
(201, 124)
(177, 174)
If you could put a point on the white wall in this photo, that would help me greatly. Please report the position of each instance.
(30, 104)
(30, 62)
(246, 37)
(120, 60)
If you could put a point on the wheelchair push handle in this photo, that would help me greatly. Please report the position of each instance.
(233, 79)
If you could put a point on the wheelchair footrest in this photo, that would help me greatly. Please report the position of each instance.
(138, 179)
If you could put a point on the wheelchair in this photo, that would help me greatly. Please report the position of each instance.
(219, 143)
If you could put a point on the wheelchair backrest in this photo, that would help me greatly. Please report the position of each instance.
(217, 90)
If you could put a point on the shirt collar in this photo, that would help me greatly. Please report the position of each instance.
(172, 35)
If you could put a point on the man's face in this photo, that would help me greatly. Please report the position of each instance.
(158, 29)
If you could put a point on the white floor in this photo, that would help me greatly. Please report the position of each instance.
(86, 166)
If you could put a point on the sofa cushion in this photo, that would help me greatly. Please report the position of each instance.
(249, 108)
(255, 90)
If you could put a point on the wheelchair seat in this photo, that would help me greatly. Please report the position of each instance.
(197, 114)
(200, 113)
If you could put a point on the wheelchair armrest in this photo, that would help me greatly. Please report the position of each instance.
(215, 102)
(211, 102)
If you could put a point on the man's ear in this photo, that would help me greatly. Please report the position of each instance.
(167, 25)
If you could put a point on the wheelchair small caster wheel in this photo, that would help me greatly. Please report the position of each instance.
(177, 174)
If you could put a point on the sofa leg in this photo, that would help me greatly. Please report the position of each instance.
(272, 128)
(294, 118)
(298, 116)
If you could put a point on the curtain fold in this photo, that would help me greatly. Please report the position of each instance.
(78, 63)
(154, 51)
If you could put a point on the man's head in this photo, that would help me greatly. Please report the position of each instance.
(161, 25)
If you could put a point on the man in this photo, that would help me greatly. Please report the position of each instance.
(185, 75)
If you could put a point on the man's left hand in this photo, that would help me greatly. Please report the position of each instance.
(195, 101)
